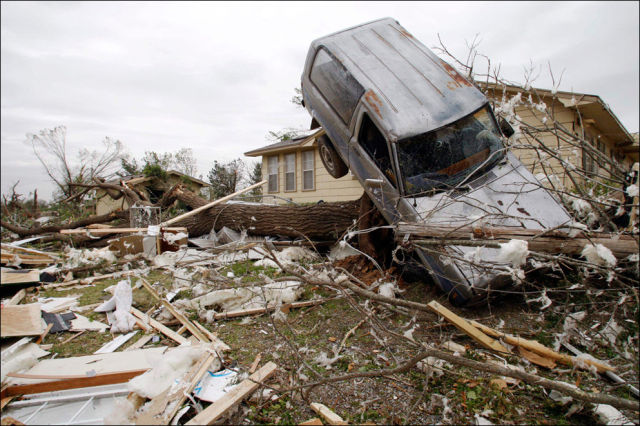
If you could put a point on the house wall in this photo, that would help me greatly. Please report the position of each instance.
(326, 187)
(105, 204)
(537, 162)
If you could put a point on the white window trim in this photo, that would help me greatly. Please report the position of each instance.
(292, 170)
(269, 174)
(312, 170)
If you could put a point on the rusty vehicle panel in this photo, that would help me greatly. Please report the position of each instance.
(424, 143)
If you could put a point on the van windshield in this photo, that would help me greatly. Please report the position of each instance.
(443, 158)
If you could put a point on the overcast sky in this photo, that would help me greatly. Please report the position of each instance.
(218, 77)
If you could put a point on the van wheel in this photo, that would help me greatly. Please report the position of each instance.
(330, 158)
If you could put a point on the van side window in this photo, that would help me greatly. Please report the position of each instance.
(336, 84)
(375, 144)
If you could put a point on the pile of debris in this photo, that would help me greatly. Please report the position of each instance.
(139, 340)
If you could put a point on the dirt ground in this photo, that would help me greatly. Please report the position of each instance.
(448, 394)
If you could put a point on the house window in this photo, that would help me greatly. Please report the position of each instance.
(307, 171)
(272, 167)
(290, 172)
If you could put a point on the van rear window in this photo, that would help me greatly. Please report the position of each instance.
(336, 84)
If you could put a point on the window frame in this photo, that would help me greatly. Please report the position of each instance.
(312, 170)
(277, 174)
(287, 171)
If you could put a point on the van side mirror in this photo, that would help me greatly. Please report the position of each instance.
(506, 128)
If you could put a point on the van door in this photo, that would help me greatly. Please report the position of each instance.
(370, 161)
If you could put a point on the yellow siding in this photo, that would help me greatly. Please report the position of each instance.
(326, 187)
(106, 204)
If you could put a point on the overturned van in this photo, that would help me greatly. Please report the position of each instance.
(423, 142)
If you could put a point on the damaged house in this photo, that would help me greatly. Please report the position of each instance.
(149, 188)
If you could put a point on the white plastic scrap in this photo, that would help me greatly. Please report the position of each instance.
(342, 250)
(78, 257)
(611, 331)
(599, 255)
(388, 290)
(121, 320)
(173, 238)
(632, 190)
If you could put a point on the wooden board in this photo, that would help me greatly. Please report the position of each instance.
(158, 326)
(116, 230)
(469, 329)
(80, 382)
(328, 415)
(216, 410)
(20, 276)
(21, 320)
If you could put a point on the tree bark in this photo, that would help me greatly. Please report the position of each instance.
(25, 232)
(318, 221)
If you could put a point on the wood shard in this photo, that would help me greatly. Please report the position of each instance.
(216, 410)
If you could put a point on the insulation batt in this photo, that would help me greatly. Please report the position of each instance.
(246, 297)
(167, 369)
(599, 255)
(514, 252)
(121, 321)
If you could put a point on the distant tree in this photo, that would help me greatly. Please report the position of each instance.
(157, 164)
(50, 147)
(297, 98)
(225, 178)
(255, 177)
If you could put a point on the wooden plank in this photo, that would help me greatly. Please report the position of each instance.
(21, 320)
(17, 298)
(158, 326)
(218, 343)
(140, 342)
(116, 230)
(179, 316)
(5, 401)
(20, 276)
(312, 422)
(466, 327)
(540, 349)
(73, 383)
(216, 410)
(211, 204)
(44, 334)
(17, 249)
(255, 363)
(328, 415)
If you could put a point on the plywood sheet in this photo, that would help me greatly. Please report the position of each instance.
(20, 277)
(21, 320)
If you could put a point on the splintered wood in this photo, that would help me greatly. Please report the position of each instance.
(469, 329)
(216, 410)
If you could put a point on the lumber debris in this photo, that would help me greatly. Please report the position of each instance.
(22, 276)
(541, 350)
(312, 422)
(546, 241)
(219, 408)
(103, 231)
(17, 298)
(70, 382)
(21, 320)
(258, 311)
(465, 326)
(179, 316)
(328, 415)
(146, 319)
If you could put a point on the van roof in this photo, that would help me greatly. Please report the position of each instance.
(408, 87)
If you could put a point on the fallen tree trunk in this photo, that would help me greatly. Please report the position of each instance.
(318, 221)
(25, 232)
(538, 240)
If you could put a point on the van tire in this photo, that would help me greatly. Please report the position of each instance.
(330, 158)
